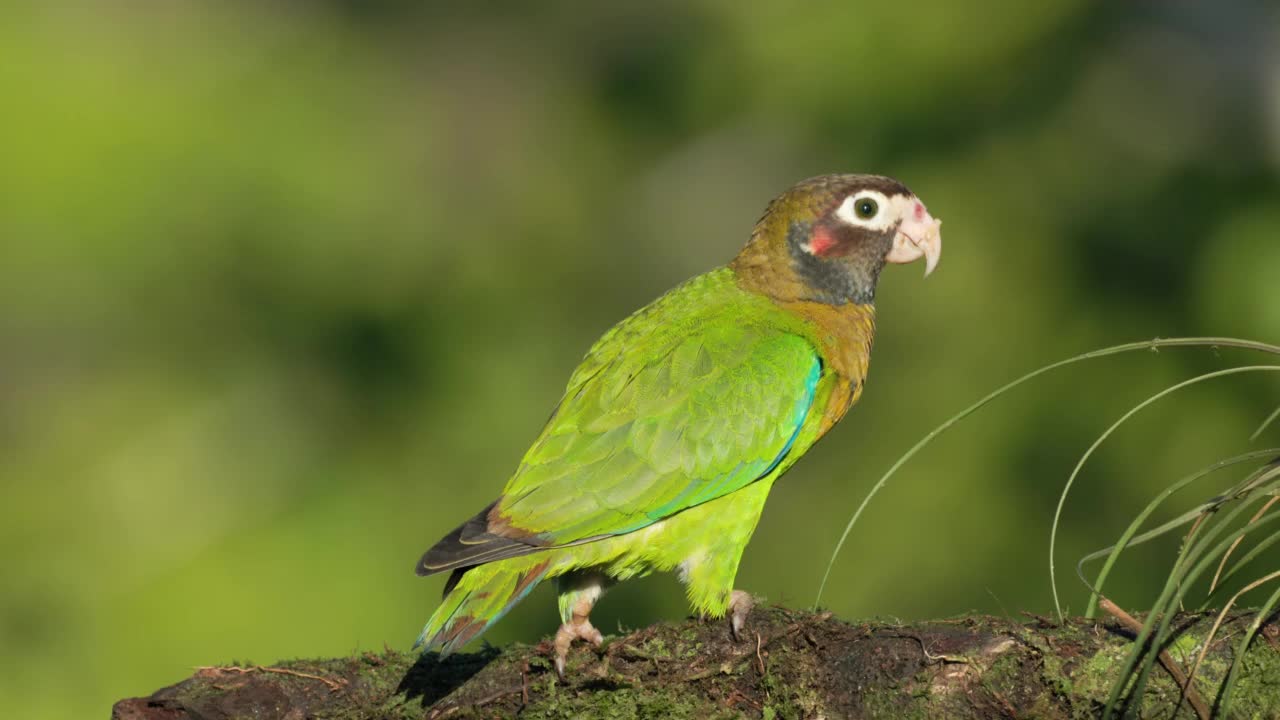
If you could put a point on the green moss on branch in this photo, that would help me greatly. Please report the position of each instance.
(796, 665)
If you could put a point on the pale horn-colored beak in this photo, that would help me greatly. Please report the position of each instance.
(918, 236)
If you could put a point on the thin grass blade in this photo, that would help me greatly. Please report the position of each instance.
(1149, 345)
(1062, 499)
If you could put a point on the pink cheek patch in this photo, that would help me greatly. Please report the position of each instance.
(919, 211)
(821, 242)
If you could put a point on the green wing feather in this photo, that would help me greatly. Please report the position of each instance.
(688, 400)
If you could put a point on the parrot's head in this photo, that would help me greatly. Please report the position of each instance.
(828, 238)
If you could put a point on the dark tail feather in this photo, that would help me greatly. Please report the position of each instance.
(472, 544)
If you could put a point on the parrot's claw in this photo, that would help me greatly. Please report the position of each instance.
(570, 631)
(740, 604)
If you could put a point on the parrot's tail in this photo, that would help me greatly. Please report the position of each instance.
(477, 597)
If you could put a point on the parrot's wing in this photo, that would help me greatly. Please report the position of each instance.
(642, 435)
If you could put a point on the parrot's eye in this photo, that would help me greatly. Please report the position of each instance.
(863, 209)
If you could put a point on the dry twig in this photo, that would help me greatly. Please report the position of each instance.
(333, 685)
(1131, 623)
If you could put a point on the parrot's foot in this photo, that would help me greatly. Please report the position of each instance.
(570, 631)
(578, 594)
(740, 604)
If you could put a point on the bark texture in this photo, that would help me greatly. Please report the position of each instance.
(791, 664)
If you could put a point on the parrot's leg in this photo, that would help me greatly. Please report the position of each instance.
(579, 592)
(709, 563)
(740, 604)
(709, 582)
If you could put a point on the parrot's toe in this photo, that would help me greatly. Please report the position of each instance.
(570, 631)
(740, 604)
(591, 635)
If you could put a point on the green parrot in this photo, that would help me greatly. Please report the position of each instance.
(675, 426)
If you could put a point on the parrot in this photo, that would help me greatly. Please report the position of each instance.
(673, 429)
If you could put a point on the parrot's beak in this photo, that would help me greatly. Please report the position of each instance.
(918, 236)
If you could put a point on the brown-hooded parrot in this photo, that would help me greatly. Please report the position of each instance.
(675, 426)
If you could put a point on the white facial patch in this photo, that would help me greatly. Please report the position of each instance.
(887, 211)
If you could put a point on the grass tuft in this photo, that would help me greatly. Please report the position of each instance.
(1214, 533)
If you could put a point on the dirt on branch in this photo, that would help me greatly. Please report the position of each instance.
(791, 665)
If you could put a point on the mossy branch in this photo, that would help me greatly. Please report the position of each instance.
(795, 665)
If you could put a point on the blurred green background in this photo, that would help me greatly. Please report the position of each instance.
(287, 288)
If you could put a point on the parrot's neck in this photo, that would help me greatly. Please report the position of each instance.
(840, 315)
(841, 332)
(843, 335)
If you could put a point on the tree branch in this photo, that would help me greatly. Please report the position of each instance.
(790, 664)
